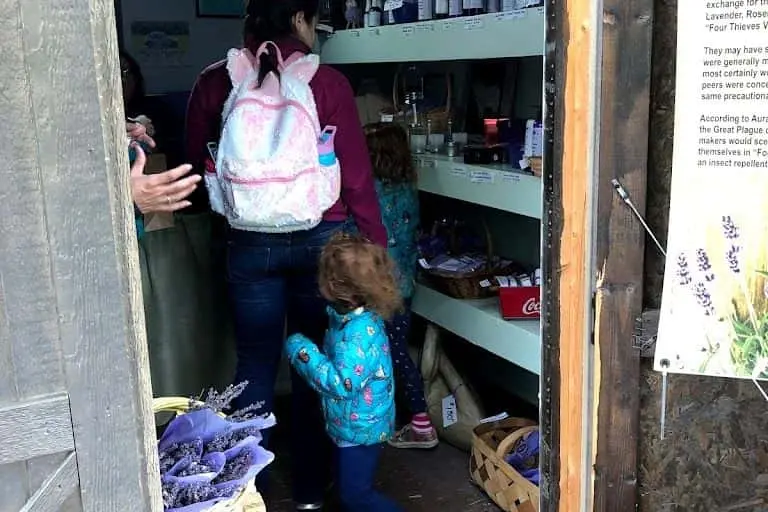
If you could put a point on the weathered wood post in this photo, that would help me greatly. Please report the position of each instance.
(597, 96)
(75, 411)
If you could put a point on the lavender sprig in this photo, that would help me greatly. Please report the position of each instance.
(223, 442)
(218, 402)
(683, 271)
(705, 267)
(732, 258)
(730, 230)
(704, 298)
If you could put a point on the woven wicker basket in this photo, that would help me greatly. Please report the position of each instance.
(247, 500)
(491, 443)
(470, 285)
(536, 165)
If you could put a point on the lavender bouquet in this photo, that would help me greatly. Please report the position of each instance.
(207, 459)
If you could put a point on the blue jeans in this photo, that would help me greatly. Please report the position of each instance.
(355, 473)
(272, 285)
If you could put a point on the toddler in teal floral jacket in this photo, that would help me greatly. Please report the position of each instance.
(353, 372)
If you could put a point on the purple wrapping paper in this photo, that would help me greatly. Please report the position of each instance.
(200, 427)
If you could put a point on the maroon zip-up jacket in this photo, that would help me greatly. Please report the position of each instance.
(335, 106)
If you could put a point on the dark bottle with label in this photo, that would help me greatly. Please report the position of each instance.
(472, 7)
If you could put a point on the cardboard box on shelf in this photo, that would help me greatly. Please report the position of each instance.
(520, 303)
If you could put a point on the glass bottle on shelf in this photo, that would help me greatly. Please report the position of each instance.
(418, 137)
(472, 7)
(454, 8)
(492, 6)
(441, 9)
(450, 144)
(425, 10)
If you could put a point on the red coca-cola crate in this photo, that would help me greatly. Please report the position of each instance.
(520, 302)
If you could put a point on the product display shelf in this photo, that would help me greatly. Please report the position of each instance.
(517, 33)
(498, 186)
(479, 322)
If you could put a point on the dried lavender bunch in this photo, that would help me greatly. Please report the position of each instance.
(195, 468)
(170, 494)
(178, 496)
(705, 267)
(683, 270)
(235, 468)
(704, 298)
(217, 402)
(227, 440)
(178, 451)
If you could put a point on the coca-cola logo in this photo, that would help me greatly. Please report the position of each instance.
(532, 306)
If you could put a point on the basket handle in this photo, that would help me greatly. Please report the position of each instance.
(511, 439)
(174, 404)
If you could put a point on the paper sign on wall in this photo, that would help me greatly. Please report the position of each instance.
(714, 316)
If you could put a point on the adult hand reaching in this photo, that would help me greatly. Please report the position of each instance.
(163, 192)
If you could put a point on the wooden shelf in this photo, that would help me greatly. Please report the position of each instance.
(509, 34)
(479, 322)
(498, 186)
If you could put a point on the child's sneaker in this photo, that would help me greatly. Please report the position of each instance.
(406, 438)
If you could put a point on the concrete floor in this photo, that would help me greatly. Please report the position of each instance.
(420, 481)
(427, 481)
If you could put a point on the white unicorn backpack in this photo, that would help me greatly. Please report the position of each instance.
(275, 171)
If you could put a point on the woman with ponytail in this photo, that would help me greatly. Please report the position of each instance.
(272, 278)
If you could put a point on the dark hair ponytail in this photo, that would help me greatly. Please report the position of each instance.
(271, 20)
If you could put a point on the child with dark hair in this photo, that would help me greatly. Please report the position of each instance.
(399, 202)
(353, 374)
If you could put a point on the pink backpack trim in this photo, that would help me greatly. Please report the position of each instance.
(274, 106)
(264, 181)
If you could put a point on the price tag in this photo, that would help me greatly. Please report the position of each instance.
(450, 412)
(459, 172)
(425, 27)
(510, 15)
(481, 176)
(354, 33)
(429, 164)
(447, 25)
(510, 177)
(408, 31)
(374, 32)
(473, 24)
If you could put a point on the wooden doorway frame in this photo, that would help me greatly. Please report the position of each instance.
(597, 94)
(75, 392)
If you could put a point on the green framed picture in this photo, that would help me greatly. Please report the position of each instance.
(221, 8)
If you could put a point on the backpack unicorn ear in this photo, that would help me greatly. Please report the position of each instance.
(240, 64)
(301, 66)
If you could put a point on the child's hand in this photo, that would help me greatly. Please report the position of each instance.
(296, 345)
